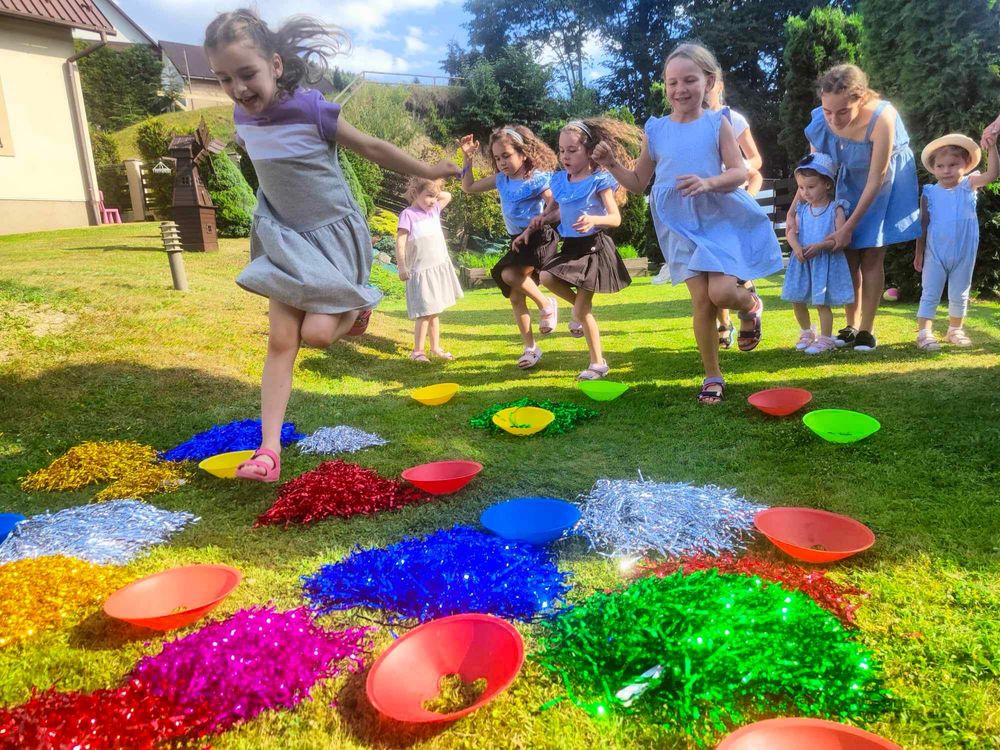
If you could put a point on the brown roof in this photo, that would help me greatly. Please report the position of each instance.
(189, 59)
(78, 14)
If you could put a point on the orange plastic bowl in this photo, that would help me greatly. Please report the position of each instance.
(815, 536)
(780, 402)
(473, 646)
(173, 598)
(804, 734)
(442, 477)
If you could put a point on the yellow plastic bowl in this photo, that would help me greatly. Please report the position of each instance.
(523, 420)
(224, 464)
(435, 395)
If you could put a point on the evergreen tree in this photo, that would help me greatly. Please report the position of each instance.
(121, 88)
(813, 44)
(938, 62)
(234, 200)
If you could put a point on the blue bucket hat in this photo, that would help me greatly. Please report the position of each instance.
(819, 162)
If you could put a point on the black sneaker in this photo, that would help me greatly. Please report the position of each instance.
(864, 342)
(846, 337)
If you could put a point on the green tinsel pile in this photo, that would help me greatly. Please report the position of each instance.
(567, 415)
(730, 649)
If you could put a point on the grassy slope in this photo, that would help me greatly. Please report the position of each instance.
(140, 361)
(219, 120)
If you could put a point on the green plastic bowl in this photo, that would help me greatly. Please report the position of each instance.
(841, 425)
(603, 390)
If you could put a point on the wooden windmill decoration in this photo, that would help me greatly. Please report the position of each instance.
(194, 211)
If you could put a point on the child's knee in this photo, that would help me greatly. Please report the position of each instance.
(318, 335)
(511, 276)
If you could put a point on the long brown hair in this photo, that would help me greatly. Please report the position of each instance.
(846, 79)
(305, 44)
(617, 134)
(536, 153)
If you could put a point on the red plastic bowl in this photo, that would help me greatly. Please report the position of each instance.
(780, 402)
(472, 646)
(804, 734)
(442, 477)
(173, 598)
(815, 536)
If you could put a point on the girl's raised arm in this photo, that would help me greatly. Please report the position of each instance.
(992, 167)
(470, 146)
(444, 198)
(389, 156)
(634, 180)
(750, 150)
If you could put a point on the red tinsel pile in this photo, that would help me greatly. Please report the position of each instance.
(828, 594)
(337, 488)
(127, 717)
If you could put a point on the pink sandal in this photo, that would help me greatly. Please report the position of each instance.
(360, 323)
(271, 473)
(549, 317)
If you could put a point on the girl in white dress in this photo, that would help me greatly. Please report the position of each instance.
(425, 265)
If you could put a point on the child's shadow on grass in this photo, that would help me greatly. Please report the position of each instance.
(102, 633)
(367, 726)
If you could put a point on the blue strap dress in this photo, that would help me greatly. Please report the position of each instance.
(894, 215)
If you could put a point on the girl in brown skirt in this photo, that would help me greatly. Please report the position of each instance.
(585, 203)
(524, 166)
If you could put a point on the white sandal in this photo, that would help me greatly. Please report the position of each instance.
(529, 359)
(549, 317)
(594, 372)
(927, 342)
(957, 337)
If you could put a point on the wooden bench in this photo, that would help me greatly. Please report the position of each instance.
(775, 197)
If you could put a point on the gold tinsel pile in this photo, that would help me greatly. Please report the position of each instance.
(134, 470)
(47, 593)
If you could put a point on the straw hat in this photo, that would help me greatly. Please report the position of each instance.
(952, 139)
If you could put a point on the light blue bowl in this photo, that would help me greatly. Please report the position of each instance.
(537, 520)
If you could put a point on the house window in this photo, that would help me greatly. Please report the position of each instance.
(6, 144)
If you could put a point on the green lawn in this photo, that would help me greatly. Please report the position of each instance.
(94, 345)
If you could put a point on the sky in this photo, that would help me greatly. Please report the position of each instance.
(395, 36)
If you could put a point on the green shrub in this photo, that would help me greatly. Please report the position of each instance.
(234, 200)
(627, 252)
(383, 223)
(369, 173)
(635, 217)
(480, 212)
(362, 198)
(152, 138)
(477, 260)
(104, 147)
(387, 282)
(247, 168)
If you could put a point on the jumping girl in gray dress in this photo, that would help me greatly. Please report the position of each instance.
(310, 248)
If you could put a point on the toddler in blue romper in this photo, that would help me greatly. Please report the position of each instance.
(946, 254)
(823, 279)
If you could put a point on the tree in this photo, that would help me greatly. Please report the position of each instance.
(483, 109)
(559, 27)
(813, 44)
(121, 88)
(939, 63)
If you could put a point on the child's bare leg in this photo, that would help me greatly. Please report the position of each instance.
(522, 317)
(802, 316)
(723, 317)
(321, 330)
(703, 318)
(825, 313)
(434, 330)
(582, 311)
(558, 287)
(853, 310)
(519, 278)
(276, 381)
(724, 292)
(420, 326)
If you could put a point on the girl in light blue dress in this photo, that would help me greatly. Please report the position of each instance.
(878, 177)
(817, 274)
(711, 233)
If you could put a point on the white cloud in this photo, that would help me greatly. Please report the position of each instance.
(363, 57)
(414, 44)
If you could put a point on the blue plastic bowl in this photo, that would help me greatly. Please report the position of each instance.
(7, 523)
(537, 520)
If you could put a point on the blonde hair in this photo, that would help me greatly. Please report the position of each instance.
(846, 79)
(303, 43)
(703, 58)
(536, 153)
(617, 134)
(416, 185)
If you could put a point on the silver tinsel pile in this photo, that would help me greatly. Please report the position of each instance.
(109, 533)
(342, 439)
(629, 518)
